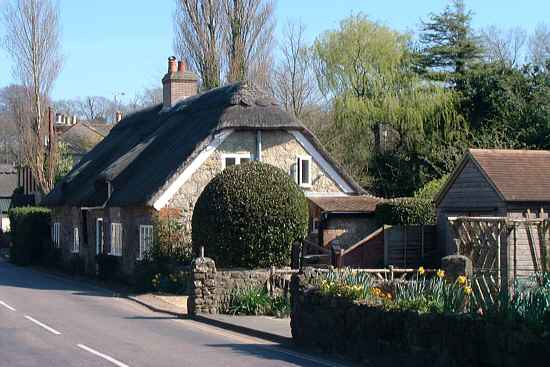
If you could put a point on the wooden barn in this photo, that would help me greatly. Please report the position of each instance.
(503, 185)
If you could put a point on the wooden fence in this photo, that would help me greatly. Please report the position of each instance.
(410, 246)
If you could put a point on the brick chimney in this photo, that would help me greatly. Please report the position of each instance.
(118, 116)
(178, 83)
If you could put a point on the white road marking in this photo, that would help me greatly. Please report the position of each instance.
(7, 306)
(104, 356)
(51, 330)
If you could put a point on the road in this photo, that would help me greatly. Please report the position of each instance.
(51, 321)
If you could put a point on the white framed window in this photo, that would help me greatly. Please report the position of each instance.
(99, 236)
(145, 240)
(76, 241)
(315, 225)
(235, 159)
(56, 234)
(302, 171)
(116, 239)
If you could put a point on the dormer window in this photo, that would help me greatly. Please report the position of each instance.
(235, 159)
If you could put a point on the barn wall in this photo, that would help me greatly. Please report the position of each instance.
(470, 194)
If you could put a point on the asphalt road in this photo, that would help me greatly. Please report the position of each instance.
(51, 321)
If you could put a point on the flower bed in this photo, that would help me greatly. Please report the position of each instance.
(426, 320)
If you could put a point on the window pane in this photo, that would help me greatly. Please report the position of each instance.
(229, 161)
(305, 171)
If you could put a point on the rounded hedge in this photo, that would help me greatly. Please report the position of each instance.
(406, 211)
(249, 216)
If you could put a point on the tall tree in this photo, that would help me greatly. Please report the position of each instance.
(294, 82)
(32, 34)
(367, 69)
(504, 46)
(539, 46)
(449, 45)
(198, 28)
(248, 38)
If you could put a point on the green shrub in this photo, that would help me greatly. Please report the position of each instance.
(30, 234)
(256, 301)
(171, 246)
(177, 282)
(249, 216)
(108, 266)
(431, 189)
(406, 211)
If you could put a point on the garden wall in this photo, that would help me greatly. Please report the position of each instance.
(211, 288)
(365, 333)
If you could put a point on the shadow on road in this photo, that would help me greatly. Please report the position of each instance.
(272, 353)
(26, 277)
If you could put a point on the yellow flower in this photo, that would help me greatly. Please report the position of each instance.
(467, 290)
(421, 270)
(440, 273)
(461, 280)
(388, 295)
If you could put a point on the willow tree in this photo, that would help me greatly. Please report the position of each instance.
(367, 70)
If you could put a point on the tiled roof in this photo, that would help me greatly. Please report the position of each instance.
(8, 179)
(366, 204)
(4, 205)
(518, 175)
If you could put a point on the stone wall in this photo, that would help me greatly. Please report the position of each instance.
(279, 148)
(364, 333)
(212, 288)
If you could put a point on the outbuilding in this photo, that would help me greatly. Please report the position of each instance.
(495, 183)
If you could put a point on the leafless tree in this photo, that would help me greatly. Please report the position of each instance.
(504, 46)
(32, 34)
(198, 36)
(248, 38)
(294, 83)
(539, 45)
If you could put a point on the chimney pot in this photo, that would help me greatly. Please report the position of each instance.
(172, 67)
(118, 116)
(181, 66)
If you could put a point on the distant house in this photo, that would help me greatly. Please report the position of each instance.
(495, 183)
(8, 183)
(159, 160)
(81, 137)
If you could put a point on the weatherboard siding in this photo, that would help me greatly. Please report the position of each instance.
(470, 194)
(279, 148)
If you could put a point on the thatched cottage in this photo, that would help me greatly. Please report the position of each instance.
(158, 160)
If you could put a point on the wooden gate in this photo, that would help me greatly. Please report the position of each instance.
(499, 257)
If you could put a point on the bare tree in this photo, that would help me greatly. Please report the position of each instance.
(32, 35)
(539, 45)
(294, 83)
(248, 37)
(198, 29)
(504, 46)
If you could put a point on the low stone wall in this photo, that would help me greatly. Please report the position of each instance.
(211, 288)
(365, 333)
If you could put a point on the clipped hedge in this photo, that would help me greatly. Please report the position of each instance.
(249, 216)
(406, 211)
(30, 234)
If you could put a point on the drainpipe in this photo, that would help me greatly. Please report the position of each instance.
(259, 145)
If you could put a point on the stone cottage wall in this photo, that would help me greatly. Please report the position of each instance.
(130, 218)
(279, 148)
(366, 333)
(212, 288)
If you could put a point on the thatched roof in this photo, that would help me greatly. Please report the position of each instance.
(145, 151)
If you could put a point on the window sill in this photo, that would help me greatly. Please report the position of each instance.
(306, 186)
(113, 254)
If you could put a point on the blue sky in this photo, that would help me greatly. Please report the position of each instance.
(121, 46)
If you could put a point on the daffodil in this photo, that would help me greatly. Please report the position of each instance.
(467, 290)
(440, 273)
(461, 280)
(421, 270)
